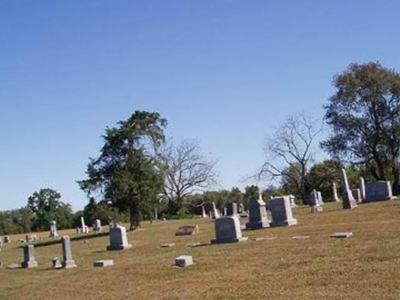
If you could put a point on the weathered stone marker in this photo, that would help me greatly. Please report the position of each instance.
(215, 212)
(335, 194)
(258, 217)
(118, 238)
(281, 212)
(29, 257)
(292, 201)
(53, 229)
(362, 188)
(184, 261)
(97, 226)
(232, 209)
(227, 230)
(378, 191)
(188, 229)
(203, 212)
(84, 227)
(68, 261)
(357, 195)
(348, 199)
(103, 263)
(314, 202)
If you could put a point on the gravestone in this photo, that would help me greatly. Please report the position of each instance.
(258, 217)
(335, 194)
(53, 229)
(225, 213)
(184, 261)
(281, 212)
(215, 212)
(189, 229)
(227, 230)
(29, 257)
(232, 209)
(362, 188)
(314, 202)
(241, 208)
(103, 263)
(68, 261)
(118, 239)
(378, 191)
(97, 226)
(357, 195)
(292, 199)
(320, 200)
(203, 212)
(84, 227)
(348, 199)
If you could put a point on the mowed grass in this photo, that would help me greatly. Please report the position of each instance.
(365, 266)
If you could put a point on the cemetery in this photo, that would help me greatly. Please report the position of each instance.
(199, 150)
(364, 255)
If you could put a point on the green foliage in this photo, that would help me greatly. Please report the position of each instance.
(127, 172)
(45, 206)
(250, 192)
(364, 114)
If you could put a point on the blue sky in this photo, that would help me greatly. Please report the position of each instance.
(222, 72)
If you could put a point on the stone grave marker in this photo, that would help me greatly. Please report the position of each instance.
(97, 228)
(281, 212)
(232, 209)
(335, 193)
(188, 229)
(348, 199)
(68, 262)
(184, 261)
(103, 263)
(258, 217)
(53, 229)
(215, 212)
(378, 191)
(118, 239)
(227, 230)
(29, 257)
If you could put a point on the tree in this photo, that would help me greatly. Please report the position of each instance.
(46, 206)
(187, 171)
(322, 175)
(128, 172)
(290, 152)
(251, 192)
(364, 114)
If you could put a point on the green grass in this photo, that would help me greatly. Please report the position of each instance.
(365, 266)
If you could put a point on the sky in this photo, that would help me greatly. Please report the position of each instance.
(223, 72)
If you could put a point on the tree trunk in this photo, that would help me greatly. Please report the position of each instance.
(396, 179)
(134, 215)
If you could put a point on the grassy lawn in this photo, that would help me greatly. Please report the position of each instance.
(365, 266)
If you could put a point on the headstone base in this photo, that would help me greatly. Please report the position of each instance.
(120, 247)
(68, 264)
(258, 225)
(223, 241)
(285, 223)
(316, 209)
(29, 264)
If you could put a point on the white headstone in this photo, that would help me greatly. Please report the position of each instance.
(348, 199)
(281, 212)
(68, 262)
(335, 194)
(118, 239)
(29, 257)
(53, 229)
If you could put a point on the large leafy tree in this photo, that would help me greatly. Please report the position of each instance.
(46, 205)
(127, 172)
(364, 114)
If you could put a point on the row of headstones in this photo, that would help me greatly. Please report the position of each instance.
(235, 209)
(67, 262)
(118, 241)
(97, 227)
(227, 229)
(368, 192)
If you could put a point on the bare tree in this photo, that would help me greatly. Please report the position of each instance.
(187, 170)
(290, 152)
